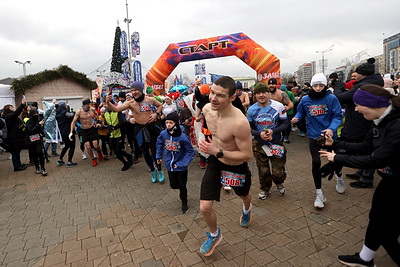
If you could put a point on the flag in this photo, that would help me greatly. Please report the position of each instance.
(124, 46)
(135, 44)
(137, 71)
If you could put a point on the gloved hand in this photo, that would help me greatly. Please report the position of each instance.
(328, 169)
(70, 136)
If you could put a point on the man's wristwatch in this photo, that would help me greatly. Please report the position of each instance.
(219, 154)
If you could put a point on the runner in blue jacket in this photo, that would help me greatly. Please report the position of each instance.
(175, 147)
(323, 116)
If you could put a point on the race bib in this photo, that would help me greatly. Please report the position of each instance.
(274, 150)
(35, 137)
(232, 179)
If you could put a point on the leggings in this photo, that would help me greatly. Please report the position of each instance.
(384, 224)
(69, 146)
(178, 180)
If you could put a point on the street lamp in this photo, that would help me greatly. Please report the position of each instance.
(323, 58)
(23, 65)
(127, 20)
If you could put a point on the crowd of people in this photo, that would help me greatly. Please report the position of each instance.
(352, 123)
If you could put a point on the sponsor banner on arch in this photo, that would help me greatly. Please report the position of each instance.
(240, 45)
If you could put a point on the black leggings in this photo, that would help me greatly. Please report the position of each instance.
(36, 154)
(68, 146)
(384, 224)
(316, 163)
(105, 139)
(118, 146)
(178, 180)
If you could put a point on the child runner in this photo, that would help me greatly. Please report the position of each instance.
(176, 149)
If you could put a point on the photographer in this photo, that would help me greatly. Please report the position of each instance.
(15, 133)
(323, 116)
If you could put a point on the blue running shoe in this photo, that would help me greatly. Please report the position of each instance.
(209, 245)
(161, 177)
(60, 162)
(245, 219)
(71, 164)
(154, 176)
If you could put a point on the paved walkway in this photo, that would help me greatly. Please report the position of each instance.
(85, 216)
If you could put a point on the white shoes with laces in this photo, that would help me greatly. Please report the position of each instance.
(319, 201)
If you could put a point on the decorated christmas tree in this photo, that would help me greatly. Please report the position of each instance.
(116, 61)
(115, 80)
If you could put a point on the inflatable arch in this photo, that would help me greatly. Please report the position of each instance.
(263, 62)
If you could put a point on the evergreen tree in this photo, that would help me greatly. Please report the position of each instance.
(116, 61)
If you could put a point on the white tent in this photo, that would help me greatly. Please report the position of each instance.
(6, 95)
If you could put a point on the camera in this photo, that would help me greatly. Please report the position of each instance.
(320, 140)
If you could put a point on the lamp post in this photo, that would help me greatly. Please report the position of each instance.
(127, 20)
(323, 58)
(23, 65)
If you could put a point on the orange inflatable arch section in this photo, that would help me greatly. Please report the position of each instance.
(240, 45)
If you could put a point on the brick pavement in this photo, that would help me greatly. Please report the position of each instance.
(85, 216)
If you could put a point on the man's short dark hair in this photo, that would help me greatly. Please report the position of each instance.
(227, 83)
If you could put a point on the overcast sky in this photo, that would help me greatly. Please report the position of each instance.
(80, 34)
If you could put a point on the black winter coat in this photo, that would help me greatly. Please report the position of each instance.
(379, 150)
(64, 119)
(15, 127)
(356, 126)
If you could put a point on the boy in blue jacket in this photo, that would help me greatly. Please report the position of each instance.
(175, 147)
(323, 116)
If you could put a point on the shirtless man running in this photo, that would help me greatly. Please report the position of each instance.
(279, 95)
(87, 117)
(144, 117)
(230, 149)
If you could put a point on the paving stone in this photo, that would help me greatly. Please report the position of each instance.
(83, 216)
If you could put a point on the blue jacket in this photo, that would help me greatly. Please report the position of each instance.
(175, 151)
(321, 113)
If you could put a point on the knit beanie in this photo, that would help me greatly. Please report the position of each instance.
(260, 87)
(137, 85)
(319, 78)
(85, 102)
(239, 85)
(176, 130)
(149, 90)
(333, 75)
(368, 68)
(173, 116)
(283, 87)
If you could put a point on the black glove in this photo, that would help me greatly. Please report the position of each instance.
(111, 128)
(329, 170)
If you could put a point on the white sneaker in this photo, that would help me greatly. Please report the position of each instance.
(281, 189)
(319, 201)
(263, 195)
(340, 186)
(227, 188)
(84, 156)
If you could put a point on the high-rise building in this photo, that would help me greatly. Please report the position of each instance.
(391, 51)
(305, 72)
